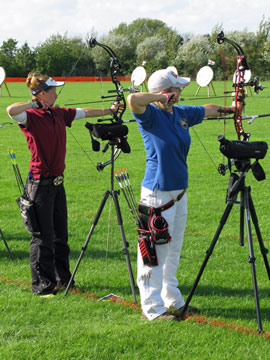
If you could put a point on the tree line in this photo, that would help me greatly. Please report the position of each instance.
(144, 41)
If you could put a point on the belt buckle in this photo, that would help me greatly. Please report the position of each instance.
(58, 180)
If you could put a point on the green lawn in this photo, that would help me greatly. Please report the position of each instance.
(77, 326)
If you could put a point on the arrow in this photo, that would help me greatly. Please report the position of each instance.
(16, 170)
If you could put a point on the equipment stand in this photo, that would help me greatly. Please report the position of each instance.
(114, 195)
(246, 208)
(5, 242)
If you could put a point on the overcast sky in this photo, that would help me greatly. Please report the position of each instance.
(35, 21)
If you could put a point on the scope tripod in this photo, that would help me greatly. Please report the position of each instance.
(114, 194)
(5, 242)
(246, 209)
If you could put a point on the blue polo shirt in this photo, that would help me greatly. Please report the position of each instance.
(167, 140)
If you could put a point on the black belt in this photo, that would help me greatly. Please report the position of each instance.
(52, 180)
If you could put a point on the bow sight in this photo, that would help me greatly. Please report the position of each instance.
(256, 85)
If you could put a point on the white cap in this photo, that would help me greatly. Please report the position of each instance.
(49, 83)
(163, 79)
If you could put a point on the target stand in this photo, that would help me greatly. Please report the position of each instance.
(138, 77)
(2, 81)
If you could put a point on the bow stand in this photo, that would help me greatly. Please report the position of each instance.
(115, 133)
(114, 194)
(241, 151)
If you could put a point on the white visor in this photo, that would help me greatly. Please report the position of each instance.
(163, 79)
(49, 83)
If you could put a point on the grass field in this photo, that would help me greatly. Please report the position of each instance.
(78, 326)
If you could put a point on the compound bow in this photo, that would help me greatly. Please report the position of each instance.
(239, 86)
(115, 67)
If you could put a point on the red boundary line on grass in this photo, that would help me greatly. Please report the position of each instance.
(196, 318)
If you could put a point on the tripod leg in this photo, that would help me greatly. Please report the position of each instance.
(263, 249)
(252, 258)
(242, 217)
(103, 202)
(125, 249)
(2, 236)
(209, 253)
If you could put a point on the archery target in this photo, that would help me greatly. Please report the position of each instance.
(138, 75)
(204, 76)
(247, 76)
(173, 68)
(2, 75)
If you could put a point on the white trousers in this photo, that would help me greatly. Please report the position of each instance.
(158, 284)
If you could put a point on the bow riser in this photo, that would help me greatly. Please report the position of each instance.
(240, 98)
(239, 85)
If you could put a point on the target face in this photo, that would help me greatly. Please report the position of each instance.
(204, 76)
(247, 76)
(2, 75)
(138, 75)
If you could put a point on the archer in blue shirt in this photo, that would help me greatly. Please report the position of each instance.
(164, 127)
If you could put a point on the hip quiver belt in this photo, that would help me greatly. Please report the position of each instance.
(153, 230)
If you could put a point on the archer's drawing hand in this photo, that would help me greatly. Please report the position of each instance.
(169, 99)
(40, 104)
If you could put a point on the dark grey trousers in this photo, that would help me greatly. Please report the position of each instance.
(49, 252)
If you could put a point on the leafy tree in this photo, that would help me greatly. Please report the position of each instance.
(121, 47)
(144, 39)
(139, 29)
(8, 52)
(152, 51)
(59, 55)
(194, 54)
(142, 29)
(259, 50)
(24, 60)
